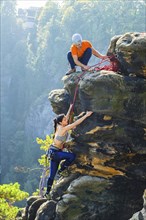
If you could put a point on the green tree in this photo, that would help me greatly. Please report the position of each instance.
(45, 144)
(9, 194)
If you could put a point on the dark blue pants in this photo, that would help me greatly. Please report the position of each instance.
(56, 158)
(84, 59)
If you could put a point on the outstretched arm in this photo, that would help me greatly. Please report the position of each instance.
(97, 54)
(77, 122)
(80, 115)
(69, 111)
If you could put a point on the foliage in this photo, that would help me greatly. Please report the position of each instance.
(36, 193)
(45, 144)
(9, 194)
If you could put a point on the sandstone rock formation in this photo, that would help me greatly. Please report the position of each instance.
(109, 175)
(130, 50)
(141, 215)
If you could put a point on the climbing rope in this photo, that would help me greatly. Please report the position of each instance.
(113, 66)
(76, 88)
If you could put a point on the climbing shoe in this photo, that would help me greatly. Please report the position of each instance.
(71, 71)
(63, 173)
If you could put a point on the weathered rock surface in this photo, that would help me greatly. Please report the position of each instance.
(46, 211)
(141, 215)
(108, 177)
(112, 142)
(130, 49)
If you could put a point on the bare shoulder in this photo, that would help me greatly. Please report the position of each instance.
(61, 130)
